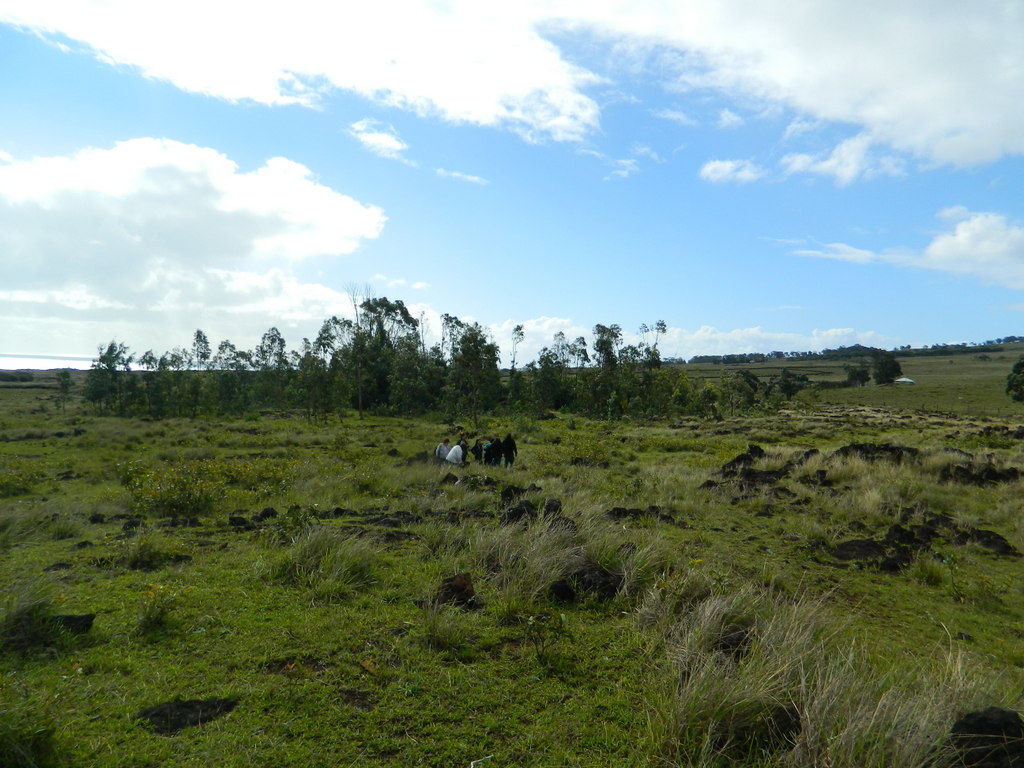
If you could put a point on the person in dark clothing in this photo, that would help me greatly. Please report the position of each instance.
(492, 452)
(478, 450)
(509, 450)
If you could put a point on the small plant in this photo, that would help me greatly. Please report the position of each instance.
(445, 629)
(145, 553)
(543, 632)
(157, 603)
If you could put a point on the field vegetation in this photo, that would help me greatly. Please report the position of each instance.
(826, 579)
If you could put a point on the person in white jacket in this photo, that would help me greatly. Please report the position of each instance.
(457, 455)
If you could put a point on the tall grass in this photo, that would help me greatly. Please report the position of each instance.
(331, 564)
(746, 678)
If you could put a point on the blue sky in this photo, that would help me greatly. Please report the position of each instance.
(760, 176)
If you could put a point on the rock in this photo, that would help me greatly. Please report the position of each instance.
(990, 738)
(458, 590)
(173, 716)
(752, 454)
(524, 510)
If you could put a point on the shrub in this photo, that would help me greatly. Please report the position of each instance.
(184, 490)
(17, 476)
(157, 603)
(328, 562)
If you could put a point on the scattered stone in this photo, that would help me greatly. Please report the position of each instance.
(752, 454)
(173, 716)
(449, 479)
(265, 514)
(84, 544)
(97, 518)
(58, 567)
(552, 507)
(511, 493)
(524, 510)
(986, 474)
(239, 523)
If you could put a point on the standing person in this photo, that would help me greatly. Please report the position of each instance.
(478, 450)
(441, 452)
(492, 452)
(457, 455)
(509, 450)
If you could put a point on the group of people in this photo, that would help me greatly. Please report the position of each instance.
(491, 451)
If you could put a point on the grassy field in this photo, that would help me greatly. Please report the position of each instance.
(964, 384)
(656, 594)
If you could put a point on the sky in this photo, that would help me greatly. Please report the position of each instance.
(759, 174)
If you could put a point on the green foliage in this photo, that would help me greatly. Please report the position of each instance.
(17, 476)
(158, 601)
(1015, 382)
(885, 368)
(185, 490)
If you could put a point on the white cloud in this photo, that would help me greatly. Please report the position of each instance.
(986, 246)
(938, 82)
(708, 340)
(180, 229)
(739, 171)
(840, 252)
(380, 138)
(642, 150)
(849, 160)
(399, 282)
(675, 116)
(462, 177)
(729, 119)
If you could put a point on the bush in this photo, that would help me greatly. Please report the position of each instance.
(185, 490)
(331, 564)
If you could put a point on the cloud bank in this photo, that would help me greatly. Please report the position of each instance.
(941, 85)
(150, 234)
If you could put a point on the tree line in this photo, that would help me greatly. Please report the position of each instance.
(379, 361)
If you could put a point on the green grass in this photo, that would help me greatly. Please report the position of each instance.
(707, 621)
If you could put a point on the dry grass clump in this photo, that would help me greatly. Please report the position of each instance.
(748, 678)
(328, 562)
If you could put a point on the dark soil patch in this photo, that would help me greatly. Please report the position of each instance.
(170, 717)
(877, 452)
(984, 475)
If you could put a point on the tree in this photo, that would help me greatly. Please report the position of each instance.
(1015, 382)
(885, 368)
(64, 385)
(106, 383)
(474, 382)
(857, 375)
